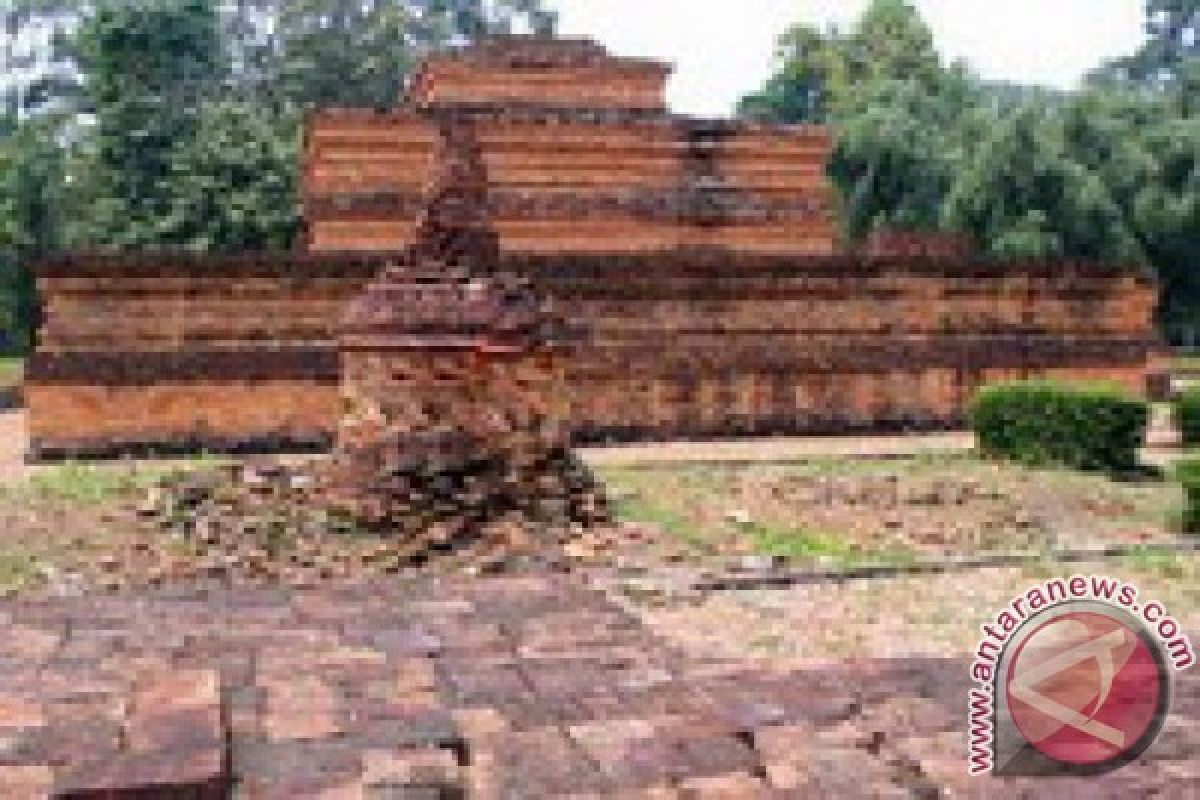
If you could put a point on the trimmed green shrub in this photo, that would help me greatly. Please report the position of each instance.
(1085, 426)
(1187, 416)
(1188, 474)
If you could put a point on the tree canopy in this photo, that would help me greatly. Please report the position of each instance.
(1108, 172)
(32, 210)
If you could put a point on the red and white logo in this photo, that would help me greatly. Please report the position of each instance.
(1084, 687)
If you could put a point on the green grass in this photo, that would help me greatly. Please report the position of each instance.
(687, 477)
(768, 643)
(18, 569)
(892, 556)
(11, 370)
(833, 466)
(1165, 514)
(1185, 362)
(1160, 563)
(697, 484)
(635, 509)
(800, 544)
(1042, 569)
(713, 476)
(669, 497)
(85, 484)
(771, 541)
(795, 544)
(693, 503)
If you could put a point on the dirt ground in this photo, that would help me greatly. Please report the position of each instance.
(929, 506)
(821, 502)
(902, 617)
(13, 435)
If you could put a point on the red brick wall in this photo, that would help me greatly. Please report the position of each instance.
(563, 182)
(221, 351)
(571, 73)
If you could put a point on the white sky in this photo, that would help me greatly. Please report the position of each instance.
(723, 49)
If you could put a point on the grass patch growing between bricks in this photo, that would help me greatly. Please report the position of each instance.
(801, 544)
(12, 370)
(85, 484)
(1160, 564)
(807, 545)
(1184, 362)
(636, 509)
(18, 569)
(668, 498)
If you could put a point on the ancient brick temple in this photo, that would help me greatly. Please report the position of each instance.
(454, 418)
(581, 158)
(696, 262)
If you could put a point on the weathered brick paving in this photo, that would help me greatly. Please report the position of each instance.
(514, 687)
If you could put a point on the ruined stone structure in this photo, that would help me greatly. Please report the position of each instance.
(580, 157)
(695, 262)
(454, 414)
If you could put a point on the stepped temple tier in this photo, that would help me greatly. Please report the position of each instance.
(695, 264)
(580, 156)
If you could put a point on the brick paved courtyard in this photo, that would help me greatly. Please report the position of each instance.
(515, 687)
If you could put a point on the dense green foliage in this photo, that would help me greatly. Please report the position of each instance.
(1188, 474)
(170, 160)
(1108, 172)
(337, 53)
(1044, 423)
(1170, 58)
(1186, 411)
(33, 206)
(141, 61)
(1023, 195)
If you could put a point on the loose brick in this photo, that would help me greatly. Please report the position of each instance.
(17, 713)
(195, 773)
(26, 782)
(411, 769)
(179, 691)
